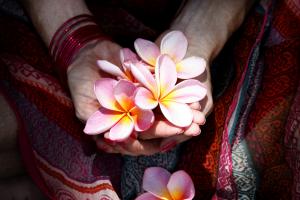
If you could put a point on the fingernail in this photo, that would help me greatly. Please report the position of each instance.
(204, 121)
(168, 146)
(198, 133)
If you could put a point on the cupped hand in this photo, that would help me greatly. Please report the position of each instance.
(162, 136)
(83, 72)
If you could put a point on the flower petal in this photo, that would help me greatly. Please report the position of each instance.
(165, 74)
(190, 67)
(102, 120)
(143, 118)
(178, 114)
(175, 45)
(104, 92)
(144, 76)
(144, 99)
(127, 55)
(124, 94)
(110, 68)
(155, 181)
(147, 196)
(121, 130)
(187, 91)
(181, 186)
(147, 50)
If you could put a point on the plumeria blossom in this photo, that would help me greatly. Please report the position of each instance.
(175, 45)
(162, 90)
(162, 185)
(118, 115)
(127, 57)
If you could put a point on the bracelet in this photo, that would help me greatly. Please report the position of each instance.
(65, 28)
(70, 37)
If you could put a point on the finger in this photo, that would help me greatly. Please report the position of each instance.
(140, 147)
(168, 144)
(192, 130)
(104, 137)
(84, 113)
(198, 117)
(119, 149)
(195, 105)
(131, 146)
(160, 129)
(108, 147)
(102, 145)
(207, 105)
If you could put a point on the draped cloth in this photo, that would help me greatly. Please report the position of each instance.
(248, 149)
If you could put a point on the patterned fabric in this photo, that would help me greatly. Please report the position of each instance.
(248, 149)
(242, 155)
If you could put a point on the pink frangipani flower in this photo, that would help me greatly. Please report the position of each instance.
(162, 90)
(127, 57)
(175, 45)
(118, 116)
(162, 185)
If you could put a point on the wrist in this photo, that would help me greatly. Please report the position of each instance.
(48, 16)
(70, 38)
(91, 49)
(208, 24)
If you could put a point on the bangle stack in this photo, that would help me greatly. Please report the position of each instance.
(70, 37)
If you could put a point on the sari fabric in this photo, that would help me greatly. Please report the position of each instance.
(248, 149)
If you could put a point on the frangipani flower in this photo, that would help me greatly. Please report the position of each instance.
(118, 115)
(161, 185)
(127, 57)
(161, 90)
(175, 45)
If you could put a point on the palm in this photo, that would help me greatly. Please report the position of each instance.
(83, 73)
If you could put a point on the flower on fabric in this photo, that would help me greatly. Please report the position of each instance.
(161, 89)
(175, 45)
(118, 116)
(162, 185)
(126, 57)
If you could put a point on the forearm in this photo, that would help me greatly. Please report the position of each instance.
(48, 15)
(209, 23)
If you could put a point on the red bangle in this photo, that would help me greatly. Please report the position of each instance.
(70, 37)
(65, 28)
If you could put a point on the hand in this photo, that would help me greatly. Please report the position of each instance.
(83, 72)
(162, 136)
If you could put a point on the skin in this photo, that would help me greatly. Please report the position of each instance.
(207, 25)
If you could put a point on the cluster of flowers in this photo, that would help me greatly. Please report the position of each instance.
(145, 81)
